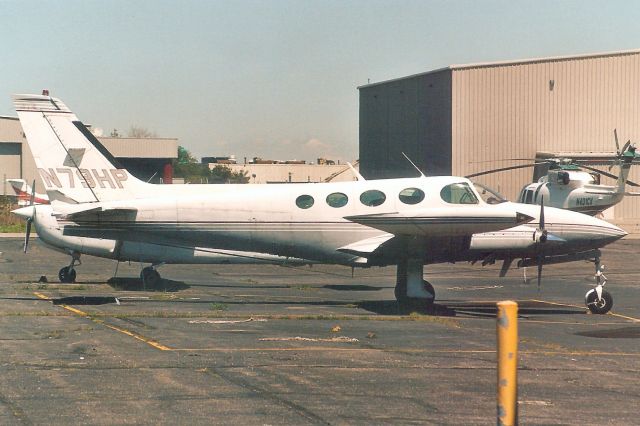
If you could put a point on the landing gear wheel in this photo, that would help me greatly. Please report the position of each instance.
(601, 306)
(150, 276)
(67, 275)
(400, 291)
(428, 287)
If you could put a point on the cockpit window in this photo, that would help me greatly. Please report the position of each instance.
(372, 198)
(489, 195)
(304, 201)
(337, 199)
(411, 195)
(458, 193)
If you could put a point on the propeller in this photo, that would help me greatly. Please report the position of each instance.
(30, 218)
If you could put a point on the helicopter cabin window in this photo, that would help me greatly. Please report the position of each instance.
(337, 199)
(411, 195)
(529, 196)
(304, 201)
(372, 198)
(458, 193)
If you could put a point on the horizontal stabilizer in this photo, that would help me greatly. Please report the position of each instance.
(447, 222)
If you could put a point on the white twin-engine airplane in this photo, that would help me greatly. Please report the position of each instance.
(98, 208)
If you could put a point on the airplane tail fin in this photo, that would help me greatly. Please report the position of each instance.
(74, 166)
(20, 186)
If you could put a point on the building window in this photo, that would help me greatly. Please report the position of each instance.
(337, 199)
(411, 195)
(372, 198)
(304, 201)
(458, 193)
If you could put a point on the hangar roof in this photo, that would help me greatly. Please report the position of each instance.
(508, 63)
(141, 147)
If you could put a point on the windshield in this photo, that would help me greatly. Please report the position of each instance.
(488, 195)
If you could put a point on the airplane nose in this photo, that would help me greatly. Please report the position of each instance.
(24, 212)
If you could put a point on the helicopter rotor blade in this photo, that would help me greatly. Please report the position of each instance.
(625, 146)
(502, 169)
(607, 174)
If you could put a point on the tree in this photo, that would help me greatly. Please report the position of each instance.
(223, 174)
(140, 132)
(188, 168)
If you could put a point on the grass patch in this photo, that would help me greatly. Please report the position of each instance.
(218, 306)
(14, 227)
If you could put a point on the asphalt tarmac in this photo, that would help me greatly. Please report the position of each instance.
(273, 345)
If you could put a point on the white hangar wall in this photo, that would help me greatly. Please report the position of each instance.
(512, 110)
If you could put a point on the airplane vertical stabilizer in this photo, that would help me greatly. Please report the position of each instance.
(74, 166)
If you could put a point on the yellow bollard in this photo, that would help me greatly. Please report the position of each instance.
(507, 331)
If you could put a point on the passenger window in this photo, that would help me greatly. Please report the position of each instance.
(337, 199)
(411, 195)
(458, 193)
(304, 201)
(372, 198)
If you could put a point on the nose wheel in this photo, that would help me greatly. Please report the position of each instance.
(67, 274)
(598, 300)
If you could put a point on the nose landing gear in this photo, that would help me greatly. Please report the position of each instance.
(68, 273)
(598, 300)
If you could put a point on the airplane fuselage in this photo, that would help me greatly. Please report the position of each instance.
(299, 221)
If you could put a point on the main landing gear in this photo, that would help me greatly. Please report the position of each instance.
(68, 273)
(411, 289)
(598, 300)
(150, 275)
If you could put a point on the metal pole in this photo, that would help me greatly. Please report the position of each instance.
(507, 334)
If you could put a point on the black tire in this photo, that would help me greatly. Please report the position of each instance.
(67, 275)
(150, 276)
(428, 287)
(400, 291)
(601, 306)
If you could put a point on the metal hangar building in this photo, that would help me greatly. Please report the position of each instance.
(467, 118)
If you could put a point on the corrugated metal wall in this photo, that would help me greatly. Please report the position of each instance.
(410, 115)
(501, 112)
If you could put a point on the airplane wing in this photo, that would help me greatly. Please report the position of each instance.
(442, 222)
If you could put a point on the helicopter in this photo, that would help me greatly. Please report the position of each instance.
(573, 185)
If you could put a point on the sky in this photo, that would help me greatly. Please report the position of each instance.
(272, 79)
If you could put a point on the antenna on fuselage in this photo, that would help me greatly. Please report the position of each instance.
(355, 172)
(413, 164)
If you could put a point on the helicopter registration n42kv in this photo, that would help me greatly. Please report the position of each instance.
(573, 185)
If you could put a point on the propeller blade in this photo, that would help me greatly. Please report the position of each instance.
(27, 234)
(625, 146)
(615, 136)
(607, 174)
(542, 213)
(33, 192)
